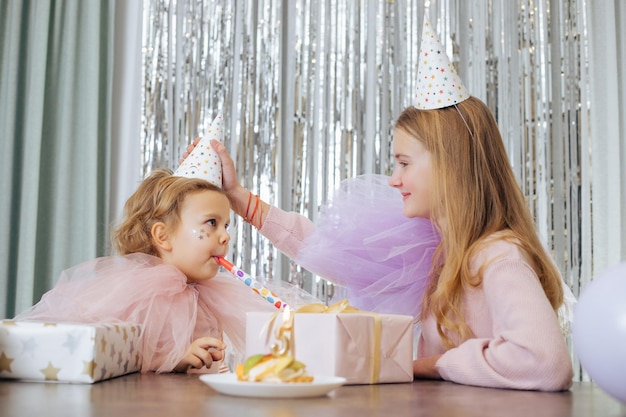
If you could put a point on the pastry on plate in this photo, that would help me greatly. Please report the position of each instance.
(270, 368)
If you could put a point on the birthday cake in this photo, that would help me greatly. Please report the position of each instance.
(271, 368)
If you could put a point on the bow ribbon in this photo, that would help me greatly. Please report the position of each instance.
(339, 307)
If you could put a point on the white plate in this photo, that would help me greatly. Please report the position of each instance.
(228, 384)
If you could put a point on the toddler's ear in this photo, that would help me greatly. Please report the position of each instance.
(161, 237)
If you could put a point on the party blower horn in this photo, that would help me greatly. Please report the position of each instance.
(255, 285)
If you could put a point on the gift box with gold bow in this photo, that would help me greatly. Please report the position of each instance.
(339, 340)
(67, 352)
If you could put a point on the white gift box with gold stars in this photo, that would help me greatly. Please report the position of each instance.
(67, 352)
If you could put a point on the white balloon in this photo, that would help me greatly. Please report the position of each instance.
(599, 331)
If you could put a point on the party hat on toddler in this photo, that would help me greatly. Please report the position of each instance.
(203, 162)
(438, 84)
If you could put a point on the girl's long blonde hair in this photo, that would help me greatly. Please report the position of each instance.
(475, 194)
(158, 199)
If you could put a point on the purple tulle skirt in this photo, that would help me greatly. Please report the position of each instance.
(364, 243)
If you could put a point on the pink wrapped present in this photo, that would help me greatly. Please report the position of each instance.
(363, 347)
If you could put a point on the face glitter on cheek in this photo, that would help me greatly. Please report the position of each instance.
(201, 234)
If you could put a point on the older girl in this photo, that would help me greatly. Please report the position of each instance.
(489, 311)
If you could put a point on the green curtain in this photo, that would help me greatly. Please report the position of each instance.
(55, 110)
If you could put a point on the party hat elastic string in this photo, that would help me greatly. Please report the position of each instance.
(464, 121)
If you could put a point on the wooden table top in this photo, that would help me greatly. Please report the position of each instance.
(185, 395)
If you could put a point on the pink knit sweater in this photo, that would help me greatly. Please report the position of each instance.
(517, 339)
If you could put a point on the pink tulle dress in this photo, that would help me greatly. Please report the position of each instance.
(363, 241)
(141, 289)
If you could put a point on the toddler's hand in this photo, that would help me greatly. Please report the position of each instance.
(202, 352)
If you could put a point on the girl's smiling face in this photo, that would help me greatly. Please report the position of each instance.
(201, 235)
(412, 175)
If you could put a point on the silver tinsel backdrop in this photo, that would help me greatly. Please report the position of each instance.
(309, 91)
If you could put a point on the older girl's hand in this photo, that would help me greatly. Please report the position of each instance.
(229, 174)
(425, 368)
(230, 182)
(189, 149)
(202, 352)
(239, 196)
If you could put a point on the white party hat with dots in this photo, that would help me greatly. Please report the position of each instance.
(438, 84)
(203, 162)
